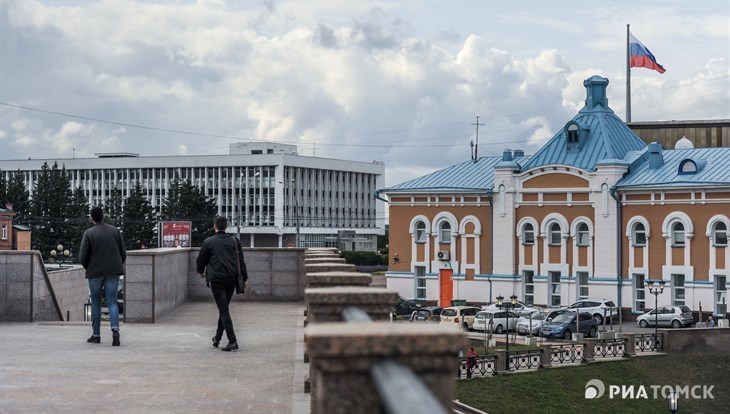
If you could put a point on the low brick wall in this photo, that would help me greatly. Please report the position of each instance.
(155, 283)
(705, 340)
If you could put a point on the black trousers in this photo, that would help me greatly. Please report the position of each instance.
(222, 293)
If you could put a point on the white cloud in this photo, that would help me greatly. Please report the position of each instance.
(341, 76)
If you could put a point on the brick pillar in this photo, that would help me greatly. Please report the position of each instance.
(629, 345)
(589, 350)
(326, 304)
(501, 364)
(342, 354)
(546, 356)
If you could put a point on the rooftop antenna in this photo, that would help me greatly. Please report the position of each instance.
(476, 144)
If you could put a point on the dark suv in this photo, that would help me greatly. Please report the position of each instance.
(405, 307)
(564, 326)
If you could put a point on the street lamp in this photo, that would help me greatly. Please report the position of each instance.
(656, 291)
(60, 255)
(502, 305)
(673, 401)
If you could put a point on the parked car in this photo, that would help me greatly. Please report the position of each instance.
(674, 316)
(405, 307)
(462, 316)
(520, 308)
(596, 307)
(497, 321)
(564, 325)
(427, 314)
(531, 323)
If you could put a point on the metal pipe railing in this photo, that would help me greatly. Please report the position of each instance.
(400, 389)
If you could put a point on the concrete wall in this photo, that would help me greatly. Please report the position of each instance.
(72, 291)
(706, 340)
(156, 282)
(25, 292)
(274, 274)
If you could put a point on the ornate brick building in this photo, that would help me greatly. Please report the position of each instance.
(595, 213)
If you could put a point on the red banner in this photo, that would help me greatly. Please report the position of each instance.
(175, 233)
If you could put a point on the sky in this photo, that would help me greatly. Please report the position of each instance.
(396, 81)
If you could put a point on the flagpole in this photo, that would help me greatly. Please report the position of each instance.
(628, 75)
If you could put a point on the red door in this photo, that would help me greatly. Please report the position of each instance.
(446, 287)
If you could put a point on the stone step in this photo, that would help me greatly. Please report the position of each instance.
(313, 260)
(321, 255)
(332, 279)
(328, 267)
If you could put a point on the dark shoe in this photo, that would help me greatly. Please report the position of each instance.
(216, 342)
(115, 338)
(232, 346)
(94, 339)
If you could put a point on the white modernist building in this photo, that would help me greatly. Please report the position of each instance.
(278, 197)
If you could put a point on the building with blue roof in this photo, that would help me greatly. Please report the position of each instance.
(595, 213)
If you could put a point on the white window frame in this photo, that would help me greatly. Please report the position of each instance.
(5, 232)
(525, 240)
(419, 274)
(554, 289)
(552, 232)
(639, 287)
(720, 287)
(679, 290)
(635, 235)
(420, 232)
(678, 239)
(583, 238)
(528, 287)
(445, 234)
(716, 234)
(582, 289)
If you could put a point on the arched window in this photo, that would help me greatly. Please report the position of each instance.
(420, 232)
(583, 235)
(555, 234)
(528, 234)
(719, 234)
(639, 235)
(445, 232)
(678, 234)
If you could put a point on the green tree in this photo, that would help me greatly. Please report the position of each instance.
(186, 202)
(18, 196)
(49, 209)
(114, 208)
(139, 220)
(79, 219)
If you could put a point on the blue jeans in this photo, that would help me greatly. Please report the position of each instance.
(110, 285)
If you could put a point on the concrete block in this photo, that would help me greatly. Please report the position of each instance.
(138, 291)
(138, 273)
(285, 292)
(18, 291)
(284, 278)
(138, 311)
(18, 272)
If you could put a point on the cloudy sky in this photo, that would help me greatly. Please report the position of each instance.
(397, 81)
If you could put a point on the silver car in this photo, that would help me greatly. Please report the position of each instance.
(674, 316)
(497, 321)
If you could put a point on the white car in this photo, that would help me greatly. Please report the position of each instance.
(497, 321)
(519, 308)
(537, 318)
(596, 307)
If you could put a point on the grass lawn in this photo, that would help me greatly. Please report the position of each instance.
(562, 390)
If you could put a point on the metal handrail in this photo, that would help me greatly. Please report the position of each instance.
(400, 389)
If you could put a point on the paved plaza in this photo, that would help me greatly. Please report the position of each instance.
(165, 367)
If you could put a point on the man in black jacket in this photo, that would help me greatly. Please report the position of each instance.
(102, 253)
(220, 260)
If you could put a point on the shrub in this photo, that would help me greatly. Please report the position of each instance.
(362, 258)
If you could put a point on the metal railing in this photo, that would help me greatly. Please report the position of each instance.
(566, 354)
(605, 348)
(648, 342)
(524, 360)
(401, 391)
(483, 366)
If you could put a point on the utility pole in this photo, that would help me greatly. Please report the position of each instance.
(476, 145)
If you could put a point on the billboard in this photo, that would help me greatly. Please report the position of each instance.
(175, 234)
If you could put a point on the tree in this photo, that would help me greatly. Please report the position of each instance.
(186, 202)
(49, 210)
(18, 196)
(139, 220)
(114, 208)
(79, 218)
(3, 189)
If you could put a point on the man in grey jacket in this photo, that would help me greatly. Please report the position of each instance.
(220, 260)
(103, 254)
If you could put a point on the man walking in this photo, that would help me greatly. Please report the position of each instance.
(102, 254)
(220, 262)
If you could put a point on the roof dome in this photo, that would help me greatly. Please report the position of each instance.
(683, 143)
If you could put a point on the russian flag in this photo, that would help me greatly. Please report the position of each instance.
(641, 57)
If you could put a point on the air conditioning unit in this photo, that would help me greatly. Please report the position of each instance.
(443, 255)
